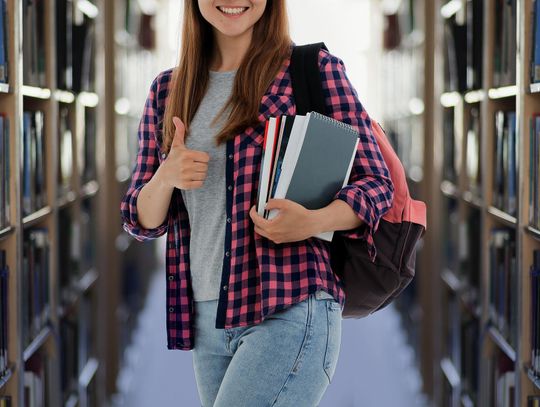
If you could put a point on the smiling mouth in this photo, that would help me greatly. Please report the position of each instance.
(232, 11)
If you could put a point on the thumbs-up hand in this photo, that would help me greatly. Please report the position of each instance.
(184, 168)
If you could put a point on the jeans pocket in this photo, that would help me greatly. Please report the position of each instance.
(333, 338)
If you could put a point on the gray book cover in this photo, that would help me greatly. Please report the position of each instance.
(324, 161)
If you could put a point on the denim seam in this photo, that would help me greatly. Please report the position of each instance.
(305, 344)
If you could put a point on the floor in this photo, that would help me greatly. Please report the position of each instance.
(375, 368)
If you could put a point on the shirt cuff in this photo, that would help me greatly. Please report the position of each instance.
(364, 210)
(131, 220)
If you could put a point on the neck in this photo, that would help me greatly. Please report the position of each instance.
(229, 51)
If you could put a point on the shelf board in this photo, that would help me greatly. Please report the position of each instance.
(66, 200)
(450, 99)
(71, 295)
(534, 88)
(475, 96)
(502, 343)
(87, 8)
(4, 88)
(473, 199)
(64, 96)
(37, 342)
(89, 189)
(503, 92)
(72, 401)
(451, 8)
(466, 400)
(35, 92)
(6, 375)
(7, 231)
(88, 99)
(452, 280)
(88, 372)
(533, 377)
(502, 216)
(450, 372)
(450, 189)
(535, 233)
(37, 216)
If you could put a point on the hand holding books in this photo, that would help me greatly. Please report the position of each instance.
(184, 168)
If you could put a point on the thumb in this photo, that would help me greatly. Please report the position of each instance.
(179, 133)
(274, 203)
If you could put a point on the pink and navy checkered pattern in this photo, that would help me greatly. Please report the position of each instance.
(259, 277)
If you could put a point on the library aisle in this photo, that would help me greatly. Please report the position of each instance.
(373, 352)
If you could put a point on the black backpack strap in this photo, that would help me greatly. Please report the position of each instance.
(306, 78)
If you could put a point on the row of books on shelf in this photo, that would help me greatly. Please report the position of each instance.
(4, 42)
(34, 191)
(505, 163)
(464, 32)
(75, 45)
(503, 277)
(36, 310)
(535, 312)
(4, 321)
(501, 380)
(534, 172)
(5, 172)
(38, 383)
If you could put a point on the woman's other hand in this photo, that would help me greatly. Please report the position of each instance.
(293, 222)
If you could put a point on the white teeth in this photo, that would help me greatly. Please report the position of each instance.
(228, 10)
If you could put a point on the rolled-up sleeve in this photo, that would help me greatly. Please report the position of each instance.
(146, 164)
(370, 190)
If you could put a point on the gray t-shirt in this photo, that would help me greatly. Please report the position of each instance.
(206, 206)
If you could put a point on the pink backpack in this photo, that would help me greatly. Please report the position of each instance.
(369, 286)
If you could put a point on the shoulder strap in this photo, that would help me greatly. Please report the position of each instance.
(306, 78)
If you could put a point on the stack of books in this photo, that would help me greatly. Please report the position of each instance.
(305, 159)
(534, 172)
(4, 285)
(505, 163)
(4, 172)
(34, 166)
(535, 312)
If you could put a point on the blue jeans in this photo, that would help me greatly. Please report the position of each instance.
(287, 360)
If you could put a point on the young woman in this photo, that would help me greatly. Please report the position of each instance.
(255, 300)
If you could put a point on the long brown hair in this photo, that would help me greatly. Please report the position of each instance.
(270, 46)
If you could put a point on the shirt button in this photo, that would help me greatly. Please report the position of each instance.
(228, 220)
(227, 253)
(171, 309)
(229, 187)
(171, 278)
(231, 156)
(225, 287)
(163, 155)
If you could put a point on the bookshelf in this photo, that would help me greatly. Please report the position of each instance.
(57, 231)
(483, 240)
(408, 120)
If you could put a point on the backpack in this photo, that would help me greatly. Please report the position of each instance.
(369, 286)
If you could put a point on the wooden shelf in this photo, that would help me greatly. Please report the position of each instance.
(502, 343)
(64, 96)
(89, 189)
(4, 378)
(37, 342)
(36, 93)
(88, 372)
(5, 88)
(72, 294)
(6, 232)
(475, 96)
(450, 190)
(503, 92)
(450, 372)
(66, 200)
(36, 217)
(534, 88)
(535, 233)
(502, 216)
(535, 380)
(473, 200)
(452, 281)
(451, 99)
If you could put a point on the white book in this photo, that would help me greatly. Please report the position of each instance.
(289, 160)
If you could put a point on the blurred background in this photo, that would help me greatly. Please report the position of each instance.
(453, 82)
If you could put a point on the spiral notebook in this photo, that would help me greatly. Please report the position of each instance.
(317, 163)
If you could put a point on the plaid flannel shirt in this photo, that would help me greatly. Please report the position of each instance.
(259, 277)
